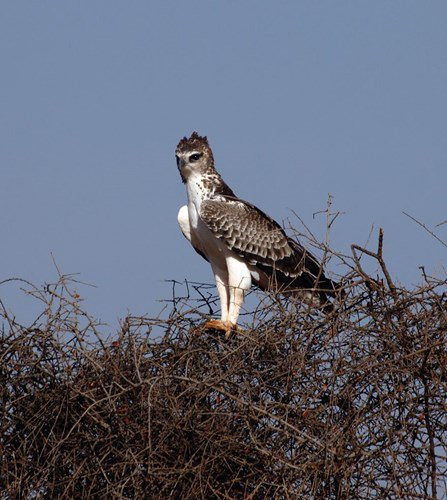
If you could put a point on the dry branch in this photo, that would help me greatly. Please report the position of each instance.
(347, 405)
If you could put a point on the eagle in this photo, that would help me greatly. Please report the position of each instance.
(243, 244)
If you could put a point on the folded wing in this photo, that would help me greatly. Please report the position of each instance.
(261, 242)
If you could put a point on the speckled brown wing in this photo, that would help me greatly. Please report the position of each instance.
(246, 230)
(262, 242)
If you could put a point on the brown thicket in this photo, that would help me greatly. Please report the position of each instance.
(351, 404)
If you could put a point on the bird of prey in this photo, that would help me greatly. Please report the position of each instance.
(242, 243)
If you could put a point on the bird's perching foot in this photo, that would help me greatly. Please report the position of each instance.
(222, 326)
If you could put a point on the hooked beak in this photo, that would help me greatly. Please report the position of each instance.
(180, 162)
(180, 165)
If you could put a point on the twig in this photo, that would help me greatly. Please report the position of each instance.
(429, 231)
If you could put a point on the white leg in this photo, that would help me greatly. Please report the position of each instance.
(239, 280)
(221, 277)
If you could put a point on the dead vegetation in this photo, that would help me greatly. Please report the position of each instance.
(347, 405)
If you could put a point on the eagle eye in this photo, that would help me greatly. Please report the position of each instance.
(195, 157)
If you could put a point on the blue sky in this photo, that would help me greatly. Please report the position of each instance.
(298, 99)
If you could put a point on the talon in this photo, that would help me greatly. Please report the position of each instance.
(221, 326)
(216, 324)
(231, 329)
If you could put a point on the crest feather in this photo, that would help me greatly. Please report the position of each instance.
(194, 142)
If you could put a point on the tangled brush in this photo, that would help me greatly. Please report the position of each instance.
(346, 405)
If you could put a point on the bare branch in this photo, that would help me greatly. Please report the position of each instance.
(429, 231)
(299, 404)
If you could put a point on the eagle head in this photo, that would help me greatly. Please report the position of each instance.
(193, 155)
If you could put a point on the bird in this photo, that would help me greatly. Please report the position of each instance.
(243, 245)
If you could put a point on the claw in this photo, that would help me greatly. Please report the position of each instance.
(221, 326)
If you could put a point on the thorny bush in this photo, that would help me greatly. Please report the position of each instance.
(351, 404)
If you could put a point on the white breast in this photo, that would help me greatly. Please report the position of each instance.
(214, 249)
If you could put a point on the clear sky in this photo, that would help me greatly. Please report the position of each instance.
(298, 99)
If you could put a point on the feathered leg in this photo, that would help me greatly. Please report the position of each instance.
(221, 277)
(239, 280)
